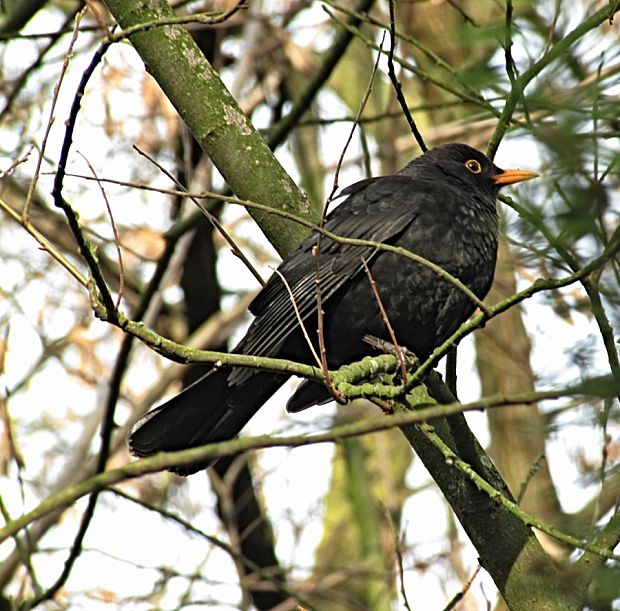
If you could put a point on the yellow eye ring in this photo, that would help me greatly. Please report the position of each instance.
(473, 166)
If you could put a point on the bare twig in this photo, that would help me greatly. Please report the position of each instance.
(317, 247)
(342, 39)
(85, 247)
(44, 243)
(396, 83)
(117, 240)
(519, 84)
(209, 216)
(320, 325)
(37, 63)
(532, 471)
(65, 65)
(235, 555)
(181, 353)
(300, 320)
(399, 558)
(466, 587)
(399, 353)
(203, 18)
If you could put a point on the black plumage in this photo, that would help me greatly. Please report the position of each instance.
(440, 206)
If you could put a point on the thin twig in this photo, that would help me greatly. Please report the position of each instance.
(300, 320)
(399, 558)
(518, 86)
(25, 74)
(342, 39)
(236, 556)
(531, 472)
(181, 353)
(84, 245)
(209, 216)
(356, 121)
(317, 247)
(510, 64)
(117, 240)
(65, 66)
(320, 325)
(45, 244)
(100, 19)
(25, 550)
(202, 18)
(469, 93)
(399, 353)
(451, 458)
(396, 83)
(612, 245)
(460, 595)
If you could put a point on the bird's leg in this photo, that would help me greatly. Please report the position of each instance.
(383, 345)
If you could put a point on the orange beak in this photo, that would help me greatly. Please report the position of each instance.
(509, 177)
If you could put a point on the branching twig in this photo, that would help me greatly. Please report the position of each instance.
(255, 569)
(537, 286)
(38, 62)
(591, 287)
(399, 558)
(45, 244)
(429, 53)
(316, 250)
(461, 95)
(278, 133)
(452, 459)
(85, 247)
(181, 353)
(203, 18)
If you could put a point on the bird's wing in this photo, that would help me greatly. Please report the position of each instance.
(377, 209)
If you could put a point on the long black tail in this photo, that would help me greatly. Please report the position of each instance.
(212, 409)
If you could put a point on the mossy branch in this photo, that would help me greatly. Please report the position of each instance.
(431, 412)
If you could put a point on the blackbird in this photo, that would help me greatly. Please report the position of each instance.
(440, 206)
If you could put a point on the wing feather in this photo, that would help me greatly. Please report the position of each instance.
(377, 209)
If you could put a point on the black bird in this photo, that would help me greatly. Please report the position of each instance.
(440, 206)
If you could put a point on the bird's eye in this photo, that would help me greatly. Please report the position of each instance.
(473, 166)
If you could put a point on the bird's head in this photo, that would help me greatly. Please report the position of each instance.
(467, 165)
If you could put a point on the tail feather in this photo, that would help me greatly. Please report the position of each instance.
(307, 394)
(212, 409)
